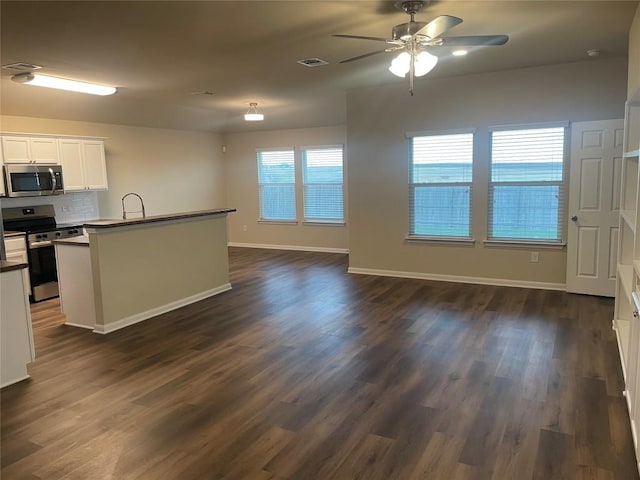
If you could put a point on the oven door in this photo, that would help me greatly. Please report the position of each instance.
(33, 180)
(43, 273)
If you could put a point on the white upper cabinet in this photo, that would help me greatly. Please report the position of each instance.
(72, 171)
(83, 164)
(30, 149)
(16, 150)
(95, 166)
(44, 150)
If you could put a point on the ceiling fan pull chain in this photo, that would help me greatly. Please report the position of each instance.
(411, 71)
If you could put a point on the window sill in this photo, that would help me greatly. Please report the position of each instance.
(524, 244)
(278, 222)
(320, 223)
(467, 242)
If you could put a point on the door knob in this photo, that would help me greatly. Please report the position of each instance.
(574, 218)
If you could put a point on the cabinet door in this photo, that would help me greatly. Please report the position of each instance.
(3, 192)
(16, 150)
(22, 258)
(95, 168)
(44, 150)
(72, 167)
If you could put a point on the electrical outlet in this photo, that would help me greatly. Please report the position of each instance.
(535, 258)
(244, 228)
(65, 208)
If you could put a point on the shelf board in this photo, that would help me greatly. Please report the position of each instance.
(629, 218)
(625, 272)
(631, 154)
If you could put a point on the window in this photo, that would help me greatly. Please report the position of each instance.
(526, 184)
(277, 185)
(440, 177)
(322, 184)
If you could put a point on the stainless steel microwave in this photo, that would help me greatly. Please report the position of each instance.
(33, 180)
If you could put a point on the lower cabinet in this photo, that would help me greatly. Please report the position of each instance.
(16, 333)
(16, 249)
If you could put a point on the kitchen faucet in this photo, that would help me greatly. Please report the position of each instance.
(124, 212)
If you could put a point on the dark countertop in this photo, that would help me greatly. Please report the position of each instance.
(81, 241)
(10, 233)
(71, 224)
(6, 266)
(111, 223)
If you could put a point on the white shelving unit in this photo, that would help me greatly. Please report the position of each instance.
(626, 321)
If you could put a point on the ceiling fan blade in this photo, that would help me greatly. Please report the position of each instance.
(360, 37)
(472, 40)
(353, 59)
(438, 26)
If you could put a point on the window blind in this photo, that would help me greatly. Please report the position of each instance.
(440, 185)
(526, 189)
(277, 185)
(322, 175)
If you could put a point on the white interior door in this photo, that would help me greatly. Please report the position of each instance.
(594, 206)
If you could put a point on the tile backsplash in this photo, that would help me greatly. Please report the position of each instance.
(70, 207)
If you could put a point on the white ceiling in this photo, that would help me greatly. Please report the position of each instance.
(160, 53)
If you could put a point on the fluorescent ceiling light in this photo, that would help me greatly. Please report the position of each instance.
(37, 80)
(252, 114)
(459, 53)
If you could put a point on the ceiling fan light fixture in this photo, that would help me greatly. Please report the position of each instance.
(424, 63)
(401, 64)
(252, 114)
(38, 80)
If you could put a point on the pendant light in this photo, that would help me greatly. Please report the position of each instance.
(252, 114)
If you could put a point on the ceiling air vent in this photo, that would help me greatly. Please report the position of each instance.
(312, 62)
(21, 67)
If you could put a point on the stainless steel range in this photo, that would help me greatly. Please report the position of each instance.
(39, 223)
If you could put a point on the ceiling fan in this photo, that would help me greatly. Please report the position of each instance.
(414, 39)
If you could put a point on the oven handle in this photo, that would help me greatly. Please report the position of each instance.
(45, 243)
(54, 183)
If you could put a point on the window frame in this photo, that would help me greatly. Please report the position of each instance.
(562, 185)
(439, 239)
(262, 219)
(303, 168)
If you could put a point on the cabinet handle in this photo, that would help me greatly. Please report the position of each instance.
(574, 218)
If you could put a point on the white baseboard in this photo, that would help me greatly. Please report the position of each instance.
(90, 327)
(500, 282)
(154, 312)
(15, 380)
(296, 248)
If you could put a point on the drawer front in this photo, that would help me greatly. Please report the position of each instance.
(15, 244)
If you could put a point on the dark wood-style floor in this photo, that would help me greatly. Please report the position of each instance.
(303, 371)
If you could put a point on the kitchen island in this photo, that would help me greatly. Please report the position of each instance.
(139, 268)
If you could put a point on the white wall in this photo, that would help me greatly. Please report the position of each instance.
(378, 118)
(242, 190)
(173, 170)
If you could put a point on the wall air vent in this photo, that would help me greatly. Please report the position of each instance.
(21, 67)
(312, 62)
